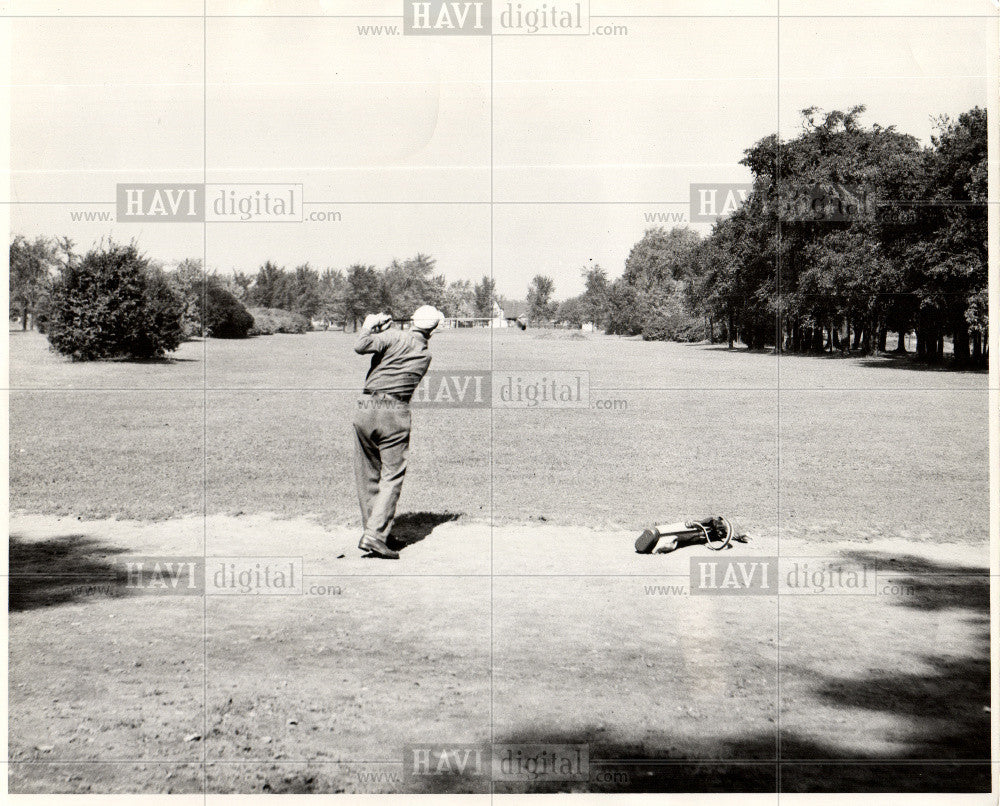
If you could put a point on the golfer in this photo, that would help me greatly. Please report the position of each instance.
(400, 359)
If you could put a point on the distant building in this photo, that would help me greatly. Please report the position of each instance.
(498, 319)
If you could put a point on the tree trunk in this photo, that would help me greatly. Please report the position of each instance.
(883, 338)
(901, 342)
(24, 317)
(961, 340)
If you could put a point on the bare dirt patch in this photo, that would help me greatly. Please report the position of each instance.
(515, 632)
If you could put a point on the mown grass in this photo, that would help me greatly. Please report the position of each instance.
(264, 425)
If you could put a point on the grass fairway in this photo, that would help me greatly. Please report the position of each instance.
(519, 611)
(264, 425)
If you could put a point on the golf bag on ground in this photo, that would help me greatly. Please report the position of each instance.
(714, 531)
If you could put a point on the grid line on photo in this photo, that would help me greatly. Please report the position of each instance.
(638, 760)
(777, 325)
(251, 389)
(204, 360)
(503, 203)
(492, 669)
(874, 16)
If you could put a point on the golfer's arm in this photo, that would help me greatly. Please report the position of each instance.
(369, 342)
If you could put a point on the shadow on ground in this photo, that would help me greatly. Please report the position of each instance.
(938, 699)
(888, 360)
(911, 362)
(412, 527)
(947, 734)
(62, 570)
(80, 568)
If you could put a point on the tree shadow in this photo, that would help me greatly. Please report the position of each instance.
(910, 362)
(888, 360)
(412, 527)
(163, 360)
(725, 348)
(941, 698)
(928, 585)
(62, 570)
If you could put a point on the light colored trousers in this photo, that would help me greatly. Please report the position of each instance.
(382, 441)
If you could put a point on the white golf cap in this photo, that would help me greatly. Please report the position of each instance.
(427, 317)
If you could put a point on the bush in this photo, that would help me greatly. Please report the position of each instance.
(626, 310)
(671, 321)
(267, 321)
(189, 281)
(656, 328)
(664, 327)
(164, 311)
(43, 311)
(112, 304)
(226, 317)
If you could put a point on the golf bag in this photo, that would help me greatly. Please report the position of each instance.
(714, 531)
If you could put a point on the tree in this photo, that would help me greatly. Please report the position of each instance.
(625, 312)
(112, 303)
(459, 299)
(332, 290)
(304, 291)
(876, 234)
(268, 286)
(484, 295)
(594, 302)
(188, 280)
(239, 284)
(660, 259)
(31, 263)
(659, 272)
(573, 311)
(540, 305)
(408, 284)
(949, 235)
(363, 293)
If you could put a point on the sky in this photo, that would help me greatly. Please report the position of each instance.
(546, 155)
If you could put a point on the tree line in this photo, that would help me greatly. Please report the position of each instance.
(338, 296)
(114, 301)
(346, 296)
(848, 233)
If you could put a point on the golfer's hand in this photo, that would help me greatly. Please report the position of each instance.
(375, 322)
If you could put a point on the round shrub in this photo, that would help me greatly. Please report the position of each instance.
(673, 327)
(656, 328)
(112, 304)
(267, 321)
(164, 313)
(226, 317)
